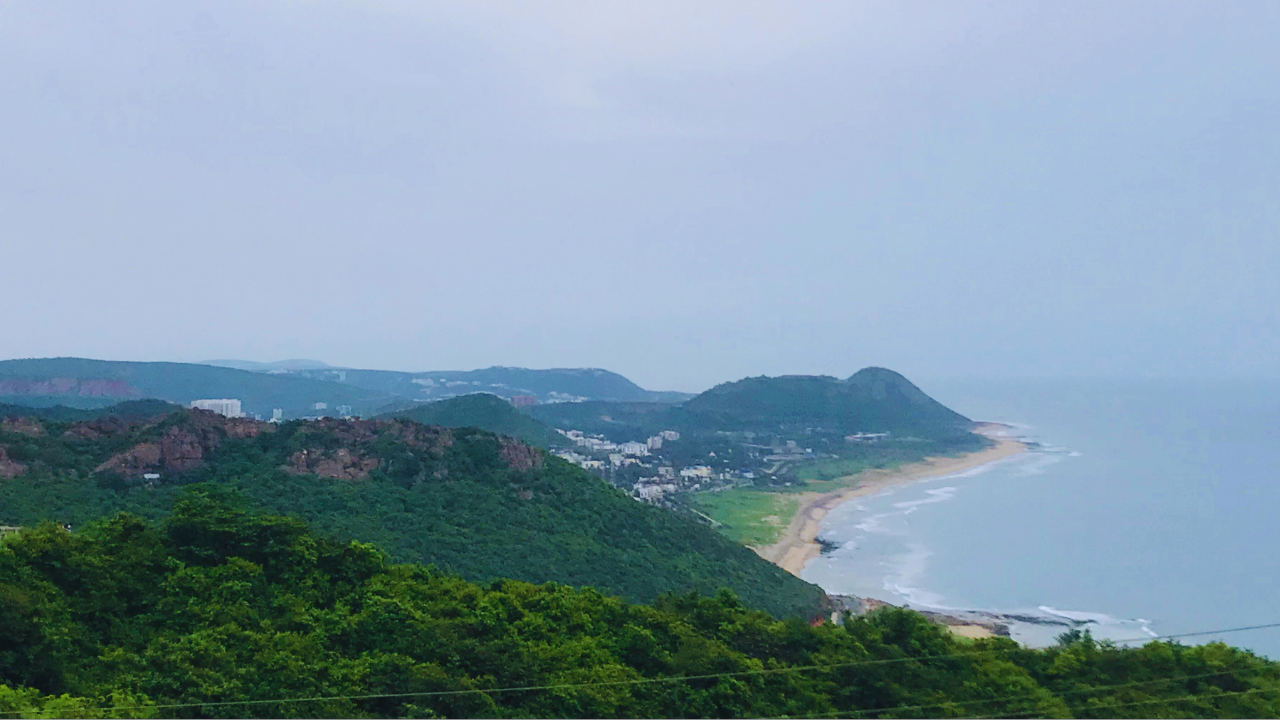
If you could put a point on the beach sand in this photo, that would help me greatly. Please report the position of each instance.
(798, 542)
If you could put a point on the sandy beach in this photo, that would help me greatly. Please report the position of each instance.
(798, 543)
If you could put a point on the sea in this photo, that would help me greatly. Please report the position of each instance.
(1144, 508)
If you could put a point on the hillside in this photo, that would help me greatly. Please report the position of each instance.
(225, 612)
(484, 411)
(468, 501)
(96, 383)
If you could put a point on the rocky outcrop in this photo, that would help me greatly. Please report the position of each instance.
(519, 456)
(98, 429)
(9, 468)
(22, 426)
(184, 445)
(431, 438)
(340, 464)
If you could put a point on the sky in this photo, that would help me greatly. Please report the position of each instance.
(685, 193)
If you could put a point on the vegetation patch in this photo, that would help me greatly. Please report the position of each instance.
(751, 517)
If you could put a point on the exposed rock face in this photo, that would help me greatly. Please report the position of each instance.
(519, 456)
(98, 429)
(183, 446)
(432, 438)
(9, 468)
(341, 464)
(22, 426)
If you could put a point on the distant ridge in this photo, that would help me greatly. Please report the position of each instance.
(545, 385)
(484, 411)
(267, 366)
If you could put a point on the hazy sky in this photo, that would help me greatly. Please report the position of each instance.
(682, 192)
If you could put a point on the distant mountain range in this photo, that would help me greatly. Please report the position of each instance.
(546, 386)
(299, 388)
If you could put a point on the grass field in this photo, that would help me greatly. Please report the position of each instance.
(750, 517)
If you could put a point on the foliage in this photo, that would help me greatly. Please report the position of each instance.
(461, 507)
(223, 611)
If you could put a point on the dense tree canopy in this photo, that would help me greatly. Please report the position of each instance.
(222, 610)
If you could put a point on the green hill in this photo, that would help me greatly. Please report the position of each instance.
(872, 400)
(475, 503)
(484, 411)
(95, 383)
(220, 611)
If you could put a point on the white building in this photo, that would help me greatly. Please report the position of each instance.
(277, 415)
(615, 459)
(699, 472)
(633, 448)
(655, 442)
(671, 435)
(322, 406)
(226, 406)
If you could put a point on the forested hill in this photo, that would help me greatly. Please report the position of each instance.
(468, 501)
(873, 400)
(484, 411)
(219, 612)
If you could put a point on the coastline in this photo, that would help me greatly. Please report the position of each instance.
(798, 544)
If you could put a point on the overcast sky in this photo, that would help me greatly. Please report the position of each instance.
(682, 192)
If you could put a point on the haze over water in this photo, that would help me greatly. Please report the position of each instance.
(1150, 505)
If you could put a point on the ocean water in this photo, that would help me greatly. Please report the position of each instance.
(1145, 508)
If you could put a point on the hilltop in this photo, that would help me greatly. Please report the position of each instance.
(469, 501)
(871, 400)
(484, 411)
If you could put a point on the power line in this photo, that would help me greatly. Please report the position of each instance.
(644, 681)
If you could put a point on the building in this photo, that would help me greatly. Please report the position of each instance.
(322, 406)
(666, 471)
(226, 406)
(277, 415)
(633, 448)
(615, 459)
(698, 472)
(524, 400)
(670, 435)
(655, 442)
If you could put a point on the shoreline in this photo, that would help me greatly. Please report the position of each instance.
(798, 544)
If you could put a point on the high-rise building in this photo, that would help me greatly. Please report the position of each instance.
(225, 406)
(277, 415)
